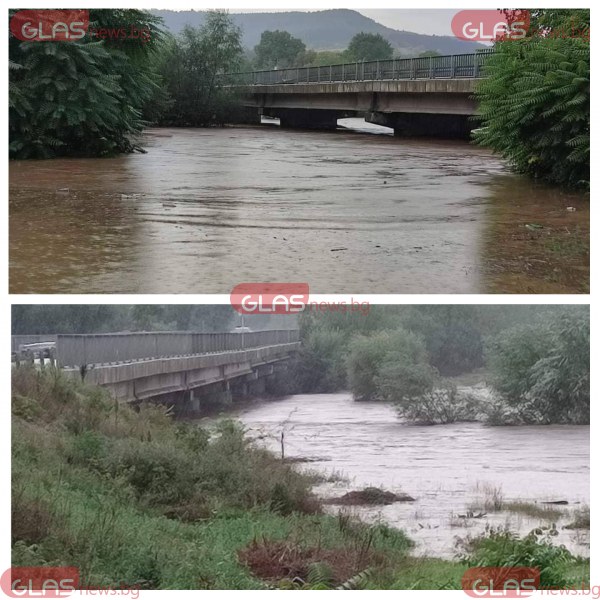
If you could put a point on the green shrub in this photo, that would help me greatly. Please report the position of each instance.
(87, 449)
(502, 548)
(367, 355)
(438, 405)
(159, 473)
(535, 107)
(542, 370)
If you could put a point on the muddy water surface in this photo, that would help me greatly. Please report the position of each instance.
(345, 211)
(446, 468)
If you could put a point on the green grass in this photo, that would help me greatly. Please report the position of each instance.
(133, 499)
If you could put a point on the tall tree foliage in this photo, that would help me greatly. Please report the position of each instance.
(368, 46)
(543, 369)
(535, 101)
(191, 65)
(85, 97)
(278, 49)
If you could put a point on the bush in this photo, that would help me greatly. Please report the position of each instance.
(502, 548)
(321, 366)
(32, 520)
(543, 370)
(367, 355)
(535, 107)
(398, 381)
(83, 98)
(443, 404)
(157, 472)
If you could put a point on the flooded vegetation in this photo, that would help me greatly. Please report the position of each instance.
(463, 477)
(293, 487)
(207, 209)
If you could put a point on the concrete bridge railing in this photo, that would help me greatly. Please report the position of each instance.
(95, 349)
(454, 66)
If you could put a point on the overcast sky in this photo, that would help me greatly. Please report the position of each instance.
(432, 21)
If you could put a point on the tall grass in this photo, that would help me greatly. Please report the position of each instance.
(134, 499)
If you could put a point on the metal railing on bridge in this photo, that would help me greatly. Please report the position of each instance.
(453, 66)
(79, 349)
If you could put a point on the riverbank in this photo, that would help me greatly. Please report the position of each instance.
(135, 500)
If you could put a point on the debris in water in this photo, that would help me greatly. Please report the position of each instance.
(370, 496)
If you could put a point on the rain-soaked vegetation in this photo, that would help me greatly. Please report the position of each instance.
(537, 360)
(136, 498)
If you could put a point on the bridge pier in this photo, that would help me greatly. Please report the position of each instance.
(425, 124)
(306, 118)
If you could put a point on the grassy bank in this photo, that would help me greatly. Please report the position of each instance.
(135, 499)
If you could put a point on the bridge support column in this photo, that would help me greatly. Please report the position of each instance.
(304, 118)
(194, 404)
(425, 124)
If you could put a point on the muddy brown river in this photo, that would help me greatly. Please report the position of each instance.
(448, 469)
(345, 211)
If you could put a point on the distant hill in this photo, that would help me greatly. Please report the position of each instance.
(323, 30)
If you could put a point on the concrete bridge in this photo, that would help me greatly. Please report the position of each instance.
(427, 96)
(183, 369)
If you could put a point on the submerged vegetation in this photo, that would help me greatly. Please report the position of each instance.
(538, 364)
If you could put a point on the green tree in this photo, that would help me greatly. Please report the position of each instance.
(82, 98)
(535, 100)
(543, 369)
(369, 46)
(369, 355)
(452, 335)
(190, 66)
(278, 49)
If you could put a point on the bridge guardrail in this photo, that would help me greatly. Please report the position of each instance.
(451, 66)
(78, 349)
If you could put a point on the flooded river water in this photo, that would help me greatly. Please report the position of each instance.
(345, 211)
(446, 468)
